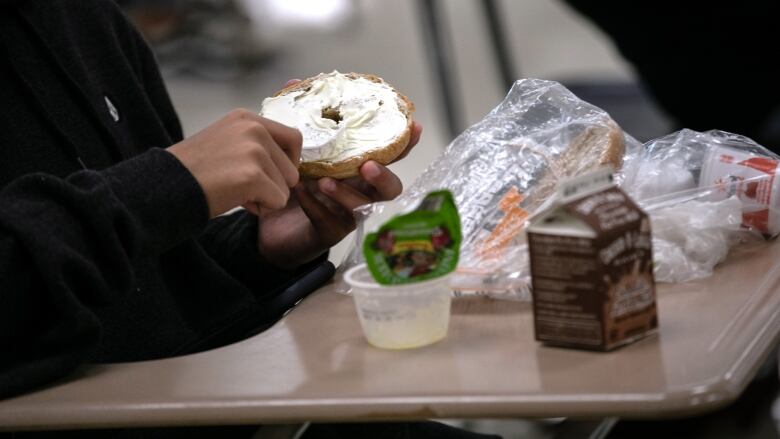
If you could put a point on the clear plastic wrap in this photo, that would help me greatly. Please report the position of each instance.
(502, 170)
(705, 192)
(691, 238)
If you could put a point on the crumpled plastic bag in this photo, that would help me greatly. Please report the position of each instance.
(504, 169)
(501, 171)
(705, 192)
(691, 238)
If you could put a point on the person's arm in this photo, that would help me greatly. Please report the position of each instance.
(68, 245)
(232, 241)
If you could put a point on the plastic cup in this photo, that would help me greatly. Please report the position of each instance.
(400, 316)
(754, 179)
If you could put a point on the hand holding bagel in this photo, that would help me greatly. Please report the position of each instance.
(339, 172)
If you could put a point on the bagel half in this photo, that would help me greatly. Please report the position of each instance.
(346, 110)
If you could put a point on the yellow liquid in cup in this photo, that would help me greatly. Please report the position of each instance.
(403, 326)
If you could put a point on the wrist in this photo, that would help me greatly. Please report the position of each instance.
(291, 253)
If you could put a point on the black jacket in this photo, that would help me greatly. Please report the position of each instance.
(106, 250)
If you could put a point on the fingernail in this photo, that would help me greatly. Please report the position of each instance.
(328, 185)
(372, 170)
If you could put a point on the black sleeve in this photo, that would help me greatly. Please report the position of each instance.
(156, 91)
(68, 245)
(232, 241)
(138, 53)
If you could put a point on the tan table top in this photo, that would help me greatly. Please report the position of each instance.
(315, 365)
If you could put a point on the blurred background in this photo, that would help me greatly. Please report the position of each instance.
(456, 59)
(222, 54)
(449, 57)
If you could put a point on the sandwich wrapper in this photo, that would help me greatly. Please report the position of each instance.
(494, 168)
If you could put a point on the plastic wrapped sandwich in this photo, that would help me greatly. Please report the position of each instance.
(502, 170)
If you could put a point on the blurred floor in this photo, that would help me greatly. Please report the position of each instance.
(546, 40)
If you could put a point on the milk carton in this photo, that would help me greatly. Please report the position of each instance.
(591, 267)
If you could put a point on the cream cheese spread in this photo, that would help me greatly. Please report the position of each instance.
(339, 117)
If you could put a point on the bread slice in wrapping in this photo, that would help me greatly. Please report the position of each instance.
(494, 256)
(596, 146)
(503, 170)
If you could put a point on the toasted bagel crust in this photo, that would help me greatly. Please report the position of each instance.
(350, 166)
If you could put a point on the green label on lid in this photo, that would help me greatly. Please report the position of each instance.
(417, 246)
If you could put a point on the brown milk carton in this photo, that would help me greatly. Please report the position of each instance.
(591, 267)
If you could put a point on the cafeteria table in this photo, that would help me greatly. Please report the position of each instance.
(315, 365)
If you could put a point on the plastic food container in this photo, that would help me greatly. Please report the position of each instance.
(400, 316)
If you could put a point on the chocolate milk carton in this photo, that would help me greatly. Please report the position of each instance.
(591, 267)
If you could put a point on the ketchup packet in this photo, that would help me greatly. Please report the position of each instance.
(418, 245)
